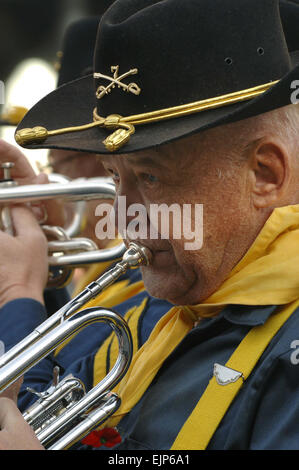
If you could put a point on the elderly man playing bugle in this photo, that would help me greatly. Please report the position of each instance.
(193, 107)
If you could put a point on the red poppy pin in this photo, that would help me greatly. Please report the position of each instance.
(107, 437)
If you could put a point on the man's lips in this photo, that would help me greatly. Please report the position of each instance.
(161, 258)
(160, 255)
(150, 244)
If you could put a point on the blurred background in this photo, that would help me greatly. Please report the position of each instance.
(31, 35)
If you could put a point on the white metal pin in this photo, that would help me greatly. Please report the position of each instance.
(225, 375)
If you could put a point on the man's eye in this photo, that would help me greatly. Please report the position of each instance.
(148, 178)
(113, 175)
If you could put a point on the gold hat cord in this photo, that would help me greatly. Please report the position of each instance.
(124, 127)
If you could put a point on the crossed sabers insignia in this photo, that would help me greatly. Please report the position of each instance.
(116, 81)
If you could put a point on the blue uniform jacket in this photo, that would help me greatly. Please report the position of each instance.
(264, 415)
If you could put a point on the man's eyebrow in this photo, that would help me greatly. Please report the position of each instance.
(67, 158)
(156, 161)
(147, 161)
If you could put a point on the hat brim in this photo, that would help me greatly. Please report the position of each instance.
(72, 105)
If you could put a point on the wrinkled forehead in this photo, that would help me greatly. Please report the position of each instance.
(151, 158)
(173, 155)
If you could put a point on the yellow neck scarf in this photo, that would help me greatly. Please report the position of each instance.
(267, 275)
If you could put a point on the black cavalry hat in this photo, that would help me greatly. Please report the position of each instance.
(78, 49)
(168, 69)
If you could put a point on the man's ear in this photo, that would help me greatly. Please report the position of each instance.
(269, 170)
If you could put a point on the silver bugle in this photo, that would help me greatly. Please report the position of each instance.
(134, 256)
(53, 332)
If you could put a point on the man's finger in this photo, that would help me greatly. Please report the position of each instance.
(22, 170)
(15, 433)
(24, 222)
(12, 392)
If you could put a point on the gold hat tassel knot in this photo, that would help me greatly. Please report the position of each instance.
(120, 136)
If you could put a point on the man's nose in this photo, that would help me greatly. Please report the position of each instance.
(126, 199)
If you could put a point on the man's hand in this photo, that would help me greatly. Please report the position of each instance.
(15, 433)
(23, 173)
(22, 170)
(23, 258)
(12, 391)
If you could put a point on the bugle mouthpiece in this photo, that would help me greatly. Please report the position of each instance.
(137, 255)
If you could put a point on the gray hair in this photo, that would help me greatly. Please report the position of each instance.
(282, 122)
(234, 139)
